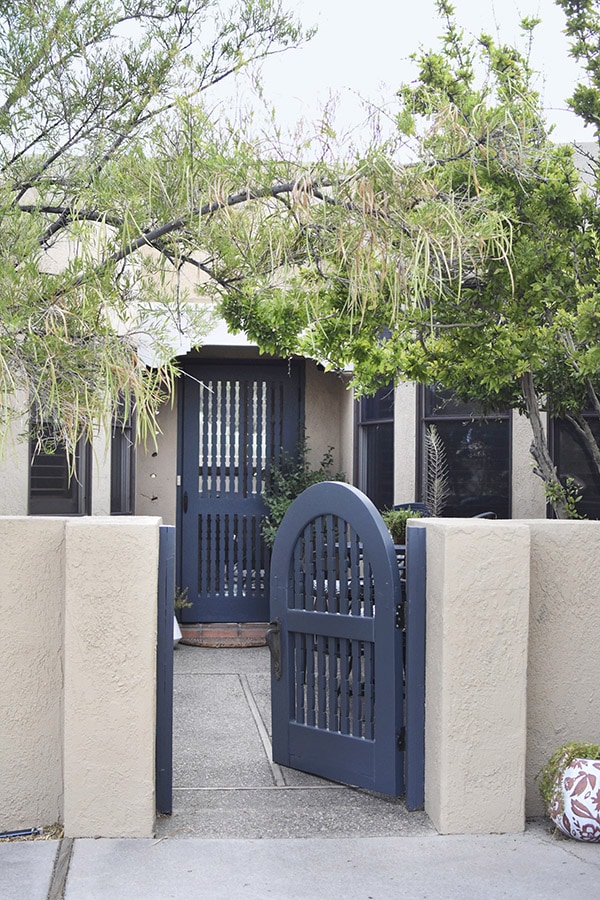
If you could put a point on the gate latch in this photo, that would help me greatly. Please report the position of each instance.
(273, 638)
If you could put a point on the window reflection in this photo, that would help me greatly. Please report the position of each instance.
(572, 460)
(477, 454)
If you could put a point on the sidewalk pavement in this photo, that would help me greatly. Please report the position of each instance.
(245, 827)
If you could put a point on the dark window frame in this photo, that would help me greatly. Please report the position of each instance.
(375, 414)
(67, 490)
(122, 464)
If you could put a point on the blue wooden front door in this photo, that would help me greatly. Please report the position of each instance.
(336, 641)
(236, 419)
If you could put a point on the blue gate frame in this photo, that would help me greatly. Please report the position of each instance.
(164, 671)
(339, 704)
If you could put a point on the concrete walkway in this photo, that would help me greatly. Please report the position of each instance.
(243, 827)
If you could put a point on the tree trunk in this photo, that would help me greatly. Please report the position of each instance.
(544, 465)
(582, 427)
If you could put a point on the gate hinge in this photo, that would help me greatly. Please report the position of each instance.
(402, 740)
(400, 617)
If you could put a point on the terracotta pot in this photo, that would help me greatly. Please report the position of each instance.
(578, 815)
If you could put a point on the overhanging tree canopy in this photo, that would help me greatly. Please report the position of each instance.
(84, 85)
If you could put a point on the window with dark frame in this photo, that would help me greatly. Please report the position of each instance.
(477, 448)
(59, 486)
(572, 460)
(122, 464)
(376, 446)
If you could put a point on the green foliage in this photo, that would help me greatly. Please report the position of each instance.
(396, 519)
(287, 480)
(181, 599)
(568, 495)
(550, 777)
(87, 85)
(476, 266)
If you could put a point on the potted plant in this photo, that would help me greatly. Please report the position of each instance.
(569, 785)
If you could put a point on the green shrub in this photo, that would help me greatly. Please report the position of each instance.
(288, 480)
(396, 520)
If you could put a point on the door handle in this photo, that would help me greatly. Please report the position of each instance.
(273, 639)
(185, 501)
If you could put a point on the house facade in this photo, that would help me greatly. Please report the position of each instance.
(234, 413)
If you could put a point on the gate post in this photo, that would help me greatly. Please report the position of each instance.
(415, 666)
(164, 671)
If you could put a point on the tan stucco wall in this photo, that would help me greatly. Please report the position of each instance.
(156, 464)
(78, 688)
(564, 642)
(328, 407)
(476, 659)
(14, 474)
(528, 500)
(31, 661)
(110, 676)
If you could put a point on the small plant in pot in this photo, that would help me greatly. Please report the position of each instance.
(569, 785)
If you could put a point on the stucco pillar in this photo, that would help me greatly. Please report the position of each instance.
(110, 676)
(405, 442)
(476, 665)
(31, 611)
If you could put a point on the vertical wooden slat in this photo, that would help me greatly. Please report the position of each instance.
(368, 678)
(310, 680)
(251, 388)
(355, 574)
(343, 567)
(300, 677)
(357, 730)
(369, 599)
(221, 426)
(205, 431)
(261, 457)
(345, 686)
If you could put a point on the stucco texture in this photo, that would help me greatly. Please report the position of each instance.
(476, 657)
(563, 693)
(31, 637)
(110, 676)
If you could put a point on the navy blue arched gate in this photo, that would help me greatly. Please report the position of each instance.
(336, 641)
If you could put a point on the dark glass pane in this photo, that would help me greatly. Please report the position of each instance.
(441, 402)
(573, 461)
(378, 406)
(379, 474)
(53, 488)
(478, 466)
(121, 470)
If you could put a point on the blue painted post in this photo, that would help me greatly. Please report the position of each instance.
(415, 666)
(164, 671)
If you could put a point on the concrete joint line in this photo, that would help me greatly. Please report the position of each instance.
(58, 881)
(276, 772)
